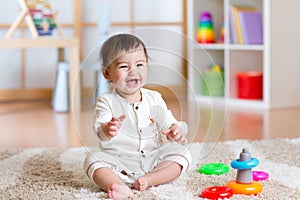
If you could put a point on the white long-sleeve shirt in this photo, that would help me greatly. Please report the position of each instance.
(140, 133)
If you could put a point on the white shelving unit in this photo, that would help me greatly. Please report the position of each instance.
(277, 57)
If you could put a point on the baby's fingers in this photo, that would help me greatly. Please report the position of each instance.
(183, 141)
(121, 118)
(113, 130)
(166, 132)
(178, 136)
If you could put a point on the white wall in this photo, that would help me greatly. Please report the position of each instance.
(165, 42)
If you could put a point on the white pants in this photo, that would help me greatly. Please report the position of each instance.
(129, 168)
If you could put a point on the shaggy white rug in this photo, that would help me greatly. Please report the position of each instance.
(58, 174)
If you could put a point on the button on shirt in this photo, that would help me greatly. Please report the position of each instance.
(140, 133)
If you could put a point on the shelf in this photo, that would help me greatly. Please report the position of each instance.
(72, 44)
(229, 47)
(279, 72)
(215, 46)
(39, 42)
(245, 103)
(231, 102)
(209, 100)
(234, 58)
(251, 47)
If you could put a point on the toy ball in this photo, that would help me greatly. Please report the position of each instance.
(217, 192)
(213, 168)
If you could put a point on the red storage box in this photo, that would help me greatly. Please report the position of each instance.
(250, 85)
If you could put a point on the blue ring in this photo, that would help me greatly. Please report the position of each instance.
(236, 164)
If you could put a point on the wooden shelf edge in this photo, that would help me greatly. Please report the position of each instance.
(38, 42)
(25, 94)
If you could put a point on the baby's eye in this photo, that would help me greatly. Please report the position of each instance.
(140, 65)
(123, 66)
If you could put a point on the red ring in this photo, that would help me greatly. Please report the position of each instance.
(217, 192)
(260, 175)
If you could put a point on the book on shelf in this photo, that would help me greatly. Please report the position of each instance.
(238, 23)
(251, 27)
(232, 31)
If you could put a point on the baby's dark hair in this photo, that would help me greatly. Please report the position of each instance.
(115, 45)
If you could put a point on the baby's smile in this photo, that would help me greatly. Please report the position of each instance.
(132, 82)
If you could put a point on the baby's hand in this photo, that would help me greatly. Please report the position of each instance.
(174, 134)
(112, 128)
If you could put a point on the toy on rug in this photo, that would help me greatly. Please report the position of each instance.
(244, 183)
(217, 192)
(213, 168)
(260, 175)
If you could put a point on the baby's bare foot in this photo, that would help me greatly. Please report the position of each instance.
(142, 183)
(119, 192)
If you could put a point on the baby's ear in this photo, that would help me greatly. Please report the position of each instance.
(106, 74)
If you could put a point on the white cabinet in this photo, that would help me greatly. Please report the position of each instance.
(278, 57)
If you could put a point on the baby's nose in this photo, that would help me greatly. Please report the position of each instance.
(133, 70)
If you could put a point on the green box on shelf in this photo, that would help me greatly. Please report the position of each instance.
(197, 83)
(213, 83)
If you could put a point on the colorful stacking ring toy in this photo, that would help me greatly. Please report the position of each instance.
(247, 189)
(241, 165)
(217, 192)
(260, 175)
(213, 168)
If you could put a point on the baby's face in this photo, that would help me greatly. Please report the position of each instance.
(129, 71)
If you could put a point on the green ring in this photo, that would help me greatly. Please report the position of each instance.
(213, 168)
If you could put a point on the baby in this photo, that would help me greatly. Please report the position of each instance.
(133, 125)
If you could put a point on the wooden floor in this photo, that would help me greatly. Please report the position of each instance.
(35, 124)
